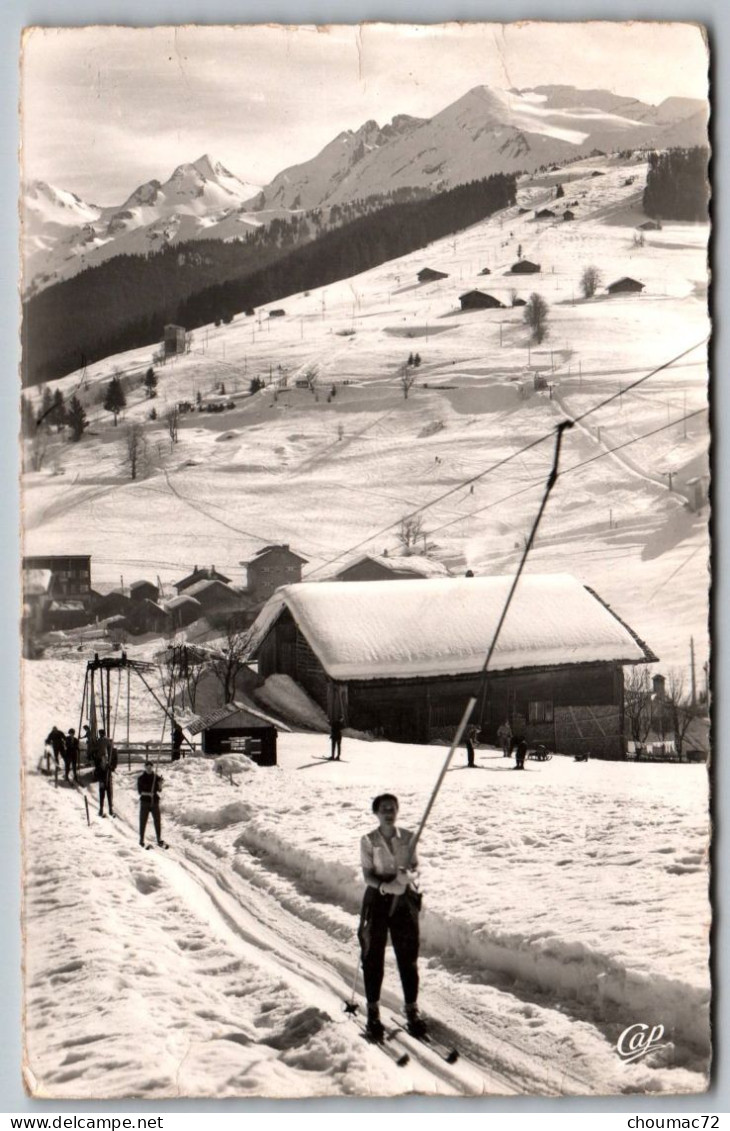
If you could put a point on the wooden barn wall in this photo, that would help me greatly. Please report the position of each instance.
(583, 705)
(574, 709)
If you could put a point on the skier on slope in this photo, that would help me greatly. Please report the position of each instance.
(57, 743)
(384, 855)
(105, 763)
(71, 755)
(336, 739)
(149, 785)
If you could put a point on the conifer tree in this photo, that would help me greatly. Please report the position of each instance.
(115, 399)
(76, 418)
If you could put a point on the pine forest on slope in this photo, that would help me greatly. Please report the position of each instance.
(126, 302)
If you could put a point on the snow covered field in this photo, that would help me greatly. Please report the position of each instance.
(561, 905)
(328, 474)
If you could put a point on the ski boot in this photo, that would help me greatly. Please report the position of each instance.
(374, 1030)
(415, 1024)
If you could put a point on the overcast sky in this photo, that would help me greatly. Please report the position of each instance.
(106, 108)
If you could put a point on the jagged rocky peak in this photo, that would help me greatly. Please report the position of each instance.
(144, 194)
(209, 168)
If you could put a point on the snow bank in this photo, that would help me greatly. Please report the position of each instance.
(234, 764)
(284, 696)
(560, 967)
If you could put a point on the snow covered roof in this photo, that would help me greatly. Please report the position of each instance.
(178, 602)
(209, 586)
(281, 549)
(415, 565)
(198, 723)
(443, 626)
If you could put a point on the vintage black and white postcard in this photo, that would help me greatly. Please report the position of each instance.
(365, 491)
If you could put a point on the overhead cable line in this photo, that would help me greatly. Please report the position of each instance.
(573, 467)
(502, 462)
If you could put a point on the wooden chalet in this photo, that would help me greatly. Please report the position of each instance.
(545, 214)
(524, 267)
(215, 596)
(183, 610)
(238, 727)
(401, 660)
(381, 568)
(205, 574)
(428, 275)
(271, 567)
(143, 591)
(70, 574)
(625, 286)
(568, 214)
(174, 340)
(479, 300)
(148, 616)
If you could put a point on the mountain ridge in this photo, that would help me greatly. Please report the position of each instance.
(485, 131)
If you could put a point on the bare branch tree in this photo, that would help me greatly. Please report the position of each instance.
(172, 419)
(637, 703)
(407, 378)
(228, 660)
(136, 448)
(682, 711)
(410, 532)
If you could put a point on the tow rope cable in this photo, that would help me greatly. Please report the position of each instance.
(551, 481)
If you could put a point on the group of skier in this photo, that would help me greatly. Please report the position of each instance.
(65, 749)
(100, 751)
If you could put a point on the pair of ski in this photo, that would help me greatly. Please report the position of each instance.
(393, 1035)
(149, 847)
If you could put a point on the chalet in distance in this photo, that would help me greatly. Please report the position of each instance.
(479, 300)
(381, 568)
(271, 567)
(143, 591)
(401, 660)
(206, 574)
(70, 574)
(524, 267)
(174, 340)
(625, 286)
(429, 275)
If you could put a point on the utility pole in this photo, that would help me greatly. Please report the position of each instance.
(684, 414)
(692, 669)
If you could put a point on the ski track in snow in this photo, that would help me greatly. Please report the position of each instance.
(220, 967)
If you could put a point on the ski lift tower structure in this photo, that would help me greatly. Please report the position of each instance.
(100, 703)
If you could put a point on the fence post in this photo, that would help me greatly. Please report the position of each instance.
(86, 804)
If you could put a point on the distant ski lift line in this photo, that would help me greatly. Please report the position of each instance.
(573, 467)
(500, 463)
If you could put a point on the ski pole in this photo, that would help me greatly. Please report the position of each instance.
(351, 1004)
